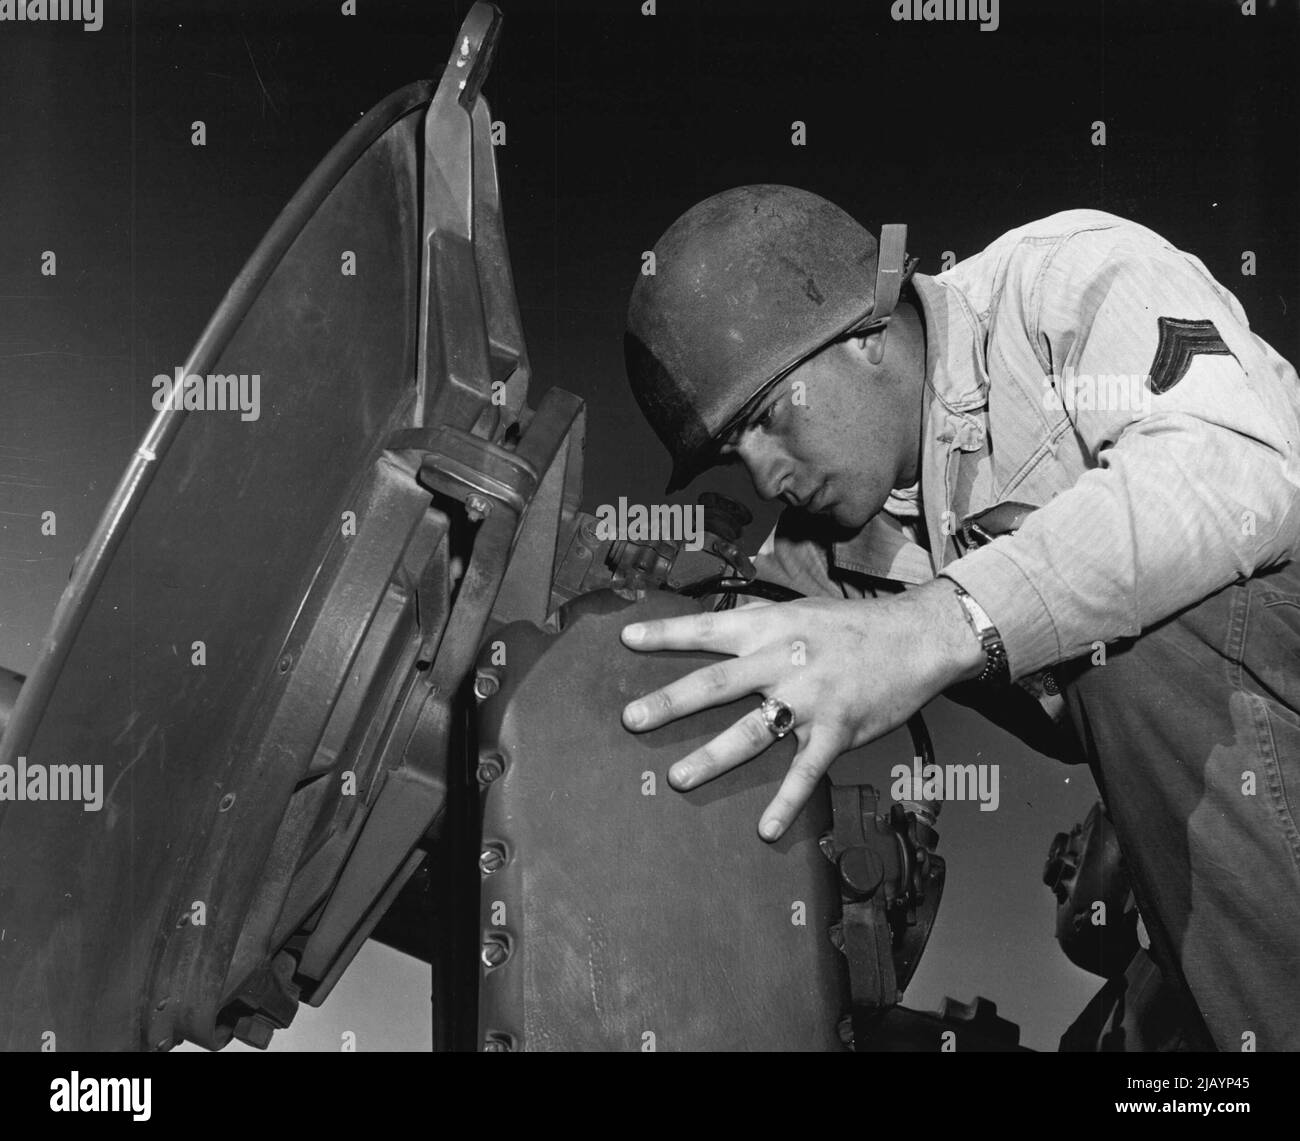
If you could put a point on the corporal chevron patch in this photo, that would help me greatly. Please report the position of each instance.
(1180, 341)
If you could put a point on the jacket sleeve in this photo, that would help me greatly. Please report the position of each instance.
(1190, 426)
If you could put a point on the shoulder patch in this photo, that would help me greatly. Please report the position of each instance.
(1180, 341)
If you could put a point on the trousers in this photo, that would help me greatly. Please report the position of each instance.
(1192, 731)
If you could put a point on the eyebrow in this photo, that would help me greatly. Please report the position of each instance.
(740, 429)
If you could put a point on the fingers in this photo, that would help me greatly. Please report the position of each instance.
(808, 767)
(715, 684)
(739, 632)
(743, 741)
(724, 631)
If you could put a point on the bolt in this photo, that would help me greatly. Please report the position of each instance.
(495, 951)
(486, 684)
(478, 507)
(861, 872)
(845, 1030)
(490, 766)
(835, 932)
(255, 1030)
(491, 859)
(285, 663)
(284, 965)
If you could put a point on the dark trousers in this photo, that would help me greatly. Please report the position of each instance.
(1193, 734)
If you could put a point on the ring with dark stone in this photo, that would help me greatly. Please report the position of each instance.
(777, 716)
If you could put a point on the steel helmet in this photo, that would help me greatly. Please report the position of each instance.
(746, 286)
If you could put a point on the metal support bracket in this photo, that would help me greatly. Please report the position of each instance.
(890, 886)
(471, 337)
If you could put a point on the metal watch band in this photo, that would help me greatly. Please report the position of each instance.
(996, 671)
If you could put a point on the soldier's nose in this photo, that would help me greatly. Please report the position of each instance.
(764, 469)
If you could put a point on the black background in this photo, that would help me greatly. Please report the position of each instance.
(617, 122)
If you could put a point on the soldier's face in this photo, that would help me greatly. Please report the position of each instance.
(832, 438)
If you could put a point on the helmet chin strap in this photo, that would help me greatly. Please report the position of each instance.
(892, 270)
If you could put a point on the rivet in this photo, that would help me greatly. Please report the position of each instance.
(495, 951)
(490, 766)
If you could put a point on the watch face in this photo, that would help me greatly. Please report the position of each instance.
(982, 621)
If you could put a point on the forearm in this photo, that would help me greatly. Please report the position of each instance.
(1171, 518)
(931, 614)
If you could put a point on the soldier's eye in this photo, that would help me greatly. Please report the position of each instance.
(764, 418)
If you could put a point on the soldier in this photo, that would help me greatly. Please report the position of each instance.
(1082, 468)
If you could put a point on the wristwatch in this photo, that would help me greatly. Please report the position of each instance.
(996, 672)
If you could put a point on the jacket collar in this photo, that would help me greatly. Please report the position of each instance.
(956, 368)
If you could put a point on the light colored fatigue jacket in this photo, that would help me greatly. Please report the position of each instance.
(1085, 367)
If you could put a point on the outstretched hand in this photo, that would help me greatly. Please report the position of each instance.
(850, 670)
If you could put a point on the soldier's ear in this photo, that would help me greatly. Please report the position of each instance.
(874, 344)
(870, 343)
